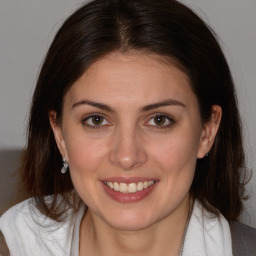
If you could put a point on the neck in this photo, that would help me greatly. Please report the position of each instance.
(162, 238)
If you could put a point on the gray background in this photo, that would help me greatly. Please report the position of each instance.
(26, 30)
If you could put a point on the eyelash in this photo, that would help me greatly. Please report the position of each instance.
(167, 118)
(91, 126)
(100, 126)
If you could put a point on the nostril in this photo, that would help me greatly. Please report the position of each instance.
(128, 163)
(126, 151)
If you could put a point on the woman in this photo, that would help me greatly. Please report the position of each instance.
(134, 140)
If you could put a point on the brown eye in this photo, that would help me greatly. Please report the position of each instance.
(97, 120)
(160, 120)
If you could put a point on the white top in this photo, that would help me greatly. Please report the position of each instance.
(29, 233)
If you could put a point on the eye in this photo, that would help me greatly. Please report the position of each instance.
(160, 121)
(95, 121)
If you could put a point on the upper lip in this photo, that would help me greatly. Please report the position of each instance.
(128, 179)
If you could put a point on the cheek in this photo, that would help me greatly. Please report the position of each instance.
(86, 158)
(176, 158)
(85, 155)
(176, 151)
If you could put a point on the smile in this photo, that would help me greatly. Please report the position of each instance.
(130, 187)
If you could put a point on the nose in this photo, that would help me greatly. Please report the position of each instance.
(127, 150)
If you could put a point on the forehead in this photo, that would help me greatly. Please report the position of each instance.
(138, 77)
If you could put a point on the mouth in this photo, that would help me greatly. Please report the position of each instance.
(129, 188)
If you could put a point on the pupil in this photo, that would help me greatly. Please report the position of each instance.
(97, 120)
(159, 120)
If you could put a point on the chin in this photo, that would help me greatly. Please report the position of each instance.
(130, 225)
(130, 220)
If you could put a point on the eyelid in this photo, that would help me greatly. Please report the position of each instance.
(167, 116)
(91, 126)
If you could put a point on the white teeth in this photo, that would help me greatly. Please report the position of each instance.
(110, 184)
(116, 186)
(131, 187)
(140, 186)
(145, 185)
(123, 187)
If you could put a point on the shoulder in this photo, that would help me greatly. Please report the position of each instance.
(21, 207)
(16, 216)
(14, 223)
(4, 250)
(243, 239)
(29, 232)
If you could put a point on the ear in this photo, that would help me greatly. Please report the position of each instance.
(58, 134)
(210, 130)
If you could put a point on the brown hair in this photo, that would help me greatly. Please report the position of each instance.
(163, 27)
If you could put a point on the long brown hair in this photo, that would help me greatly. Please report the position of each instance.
(164, 27)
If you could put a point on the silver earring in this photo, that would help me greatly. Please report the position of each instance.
(64, 167)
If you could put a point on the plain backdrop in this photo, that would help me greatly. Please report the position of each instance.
(28, 26)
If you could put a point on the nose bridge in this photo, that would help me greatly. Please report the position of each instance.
(127, 151)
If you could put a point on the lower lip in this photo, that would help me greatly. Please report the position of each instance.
(128, 197)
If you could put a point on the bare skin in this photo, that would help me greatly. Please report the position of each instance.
(163, 238)
(133, 118)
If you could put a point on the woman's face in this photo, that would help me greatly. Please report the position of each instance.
(131, 133)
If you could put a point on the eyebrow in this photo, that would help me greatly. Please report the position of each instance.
(93, 104)
(163, 103)
(102, 106)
